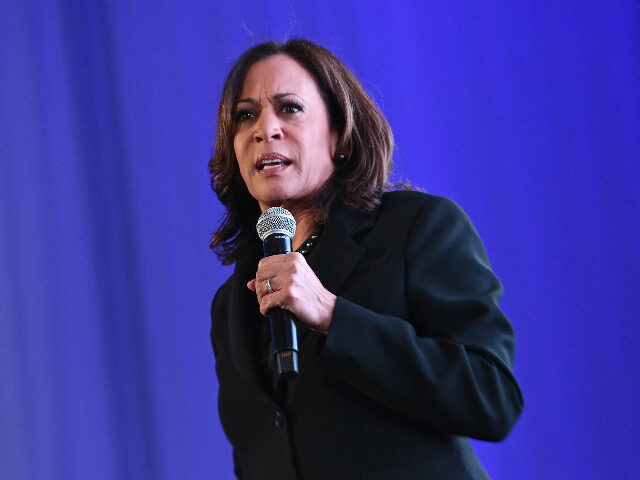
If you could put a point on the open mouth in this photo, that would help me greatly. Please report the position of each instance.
(268, 161)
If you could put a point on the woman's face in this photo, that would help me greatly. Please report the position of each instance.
(283, 141)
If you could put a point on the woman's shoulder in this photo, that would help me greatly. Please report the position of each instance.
(414, 202)
(222, 294)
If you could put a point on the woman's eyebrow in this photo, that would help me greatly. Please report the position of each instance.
(246, 100)
(281, 95)
(277, 96)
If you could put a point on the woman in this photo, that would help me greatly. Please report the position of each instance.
(403, 349)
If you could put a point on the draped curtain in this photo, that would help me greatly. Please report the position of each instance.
(525, 113)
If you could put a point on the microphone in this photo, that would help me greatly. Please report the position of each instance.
(276, 227)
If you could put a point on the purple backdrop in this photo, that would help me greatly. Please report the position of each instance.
(525, 113)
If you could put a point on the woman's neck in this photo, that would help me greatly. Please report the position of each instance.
(304, 228)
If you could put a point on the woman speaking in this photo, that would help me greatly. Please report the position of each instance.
(403, 350)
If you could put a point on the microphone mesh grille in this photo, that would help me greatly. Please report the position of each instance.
(276, 220)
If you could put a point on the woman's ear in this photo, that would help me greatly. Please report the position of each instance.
(339, 159)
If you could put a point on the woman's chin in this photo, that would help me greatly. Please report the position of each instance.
(264, 205)
(291, 204)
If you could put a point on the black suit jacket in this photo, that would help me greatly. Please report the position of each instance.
(418, 356)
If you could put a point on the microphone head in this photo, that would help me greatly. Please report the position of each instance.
(276, 220)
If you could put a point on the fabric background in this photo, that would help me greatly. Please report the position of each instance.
(525, 113)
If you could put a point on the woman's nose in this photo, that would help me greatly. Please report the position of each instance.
(268, 127)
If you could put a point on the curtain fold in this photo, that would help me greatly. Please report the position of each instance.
(526, 114)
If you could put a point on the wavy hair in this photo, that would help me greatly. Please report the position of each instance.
(363, 150)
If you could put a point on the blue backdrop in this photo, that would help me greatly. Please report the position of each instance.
(525, 113)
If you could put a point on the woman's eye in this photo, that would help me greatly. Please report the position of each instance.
(244, 115)
(291, 108)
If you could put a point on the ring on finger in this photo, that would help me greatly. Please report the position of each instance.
(268, 282)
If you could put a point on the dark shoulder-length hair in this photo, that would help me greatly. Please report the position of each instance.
(363, 150)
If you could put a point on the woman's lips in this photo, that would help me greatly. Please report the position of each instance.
(271, 162)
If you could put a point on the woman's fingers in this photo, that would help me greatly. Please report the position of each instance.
(268, 302)
(275, 269)
(294, 287)
(277, 264)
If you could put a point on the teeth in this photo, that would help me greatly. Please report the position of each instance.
(271, 160)
(271, 163)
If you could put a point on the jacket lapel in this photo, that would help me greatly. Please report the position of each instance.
(243, 320)
(333, 259)
(337, 253)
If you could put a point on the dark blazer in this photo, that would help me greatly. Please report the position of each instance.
(418, 356)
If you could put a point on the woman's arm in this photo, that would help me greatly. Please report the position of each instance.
(449, 365)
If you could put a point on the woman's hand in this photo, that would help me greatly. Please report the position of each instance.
(295, 288)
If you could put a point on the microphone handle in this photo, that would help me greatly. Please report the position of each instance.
(284, 333)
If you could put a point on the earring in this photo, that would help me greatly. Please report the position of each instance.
(341, 158)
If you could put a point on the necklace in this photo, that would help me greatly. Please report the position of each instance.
(307, 246)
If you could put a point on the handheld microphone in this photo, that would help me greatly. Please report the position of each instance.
(276, 227)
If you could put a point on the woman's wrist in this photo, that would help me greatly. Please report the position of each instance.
(328, 305)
